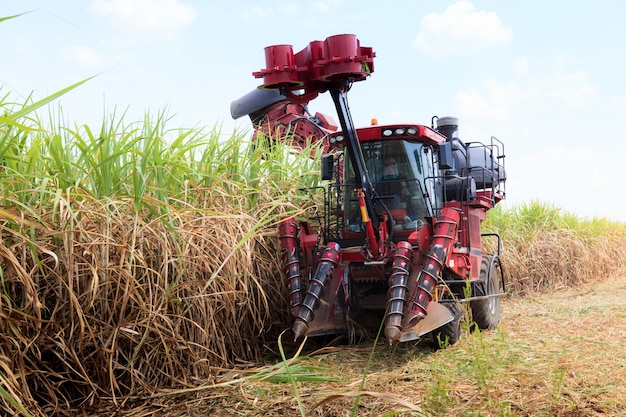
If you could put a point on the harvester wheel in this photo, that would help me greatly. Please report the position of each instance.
(486, 312)
(449, 333)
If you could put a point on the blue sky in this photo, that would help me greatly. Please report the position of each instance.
(545, 77)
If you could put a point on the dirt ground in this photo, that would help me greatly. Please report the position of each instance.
(556, 354)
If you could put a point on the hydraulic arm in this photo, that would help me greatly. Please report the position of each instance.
(331, 65)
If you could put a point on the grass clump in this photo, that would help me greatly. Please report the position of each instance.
(137, 258)
(547, 248)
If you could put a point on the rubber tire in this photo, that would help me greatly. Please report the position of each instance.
(449, 333)
(486, 313)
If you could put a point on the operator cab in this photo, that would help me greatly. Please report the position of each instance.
(403, 170)
(414, 170)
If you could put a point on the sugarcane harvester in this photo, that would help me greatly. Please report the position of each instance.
(399, 241)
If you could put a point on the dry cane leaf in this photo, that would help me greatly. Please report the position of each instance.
(381, 395)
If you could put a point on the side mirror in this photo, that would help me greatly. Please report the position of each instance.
(328, 167)
(445, 156)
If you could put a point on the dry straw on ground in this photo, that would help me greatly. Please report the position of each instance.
(559, 353)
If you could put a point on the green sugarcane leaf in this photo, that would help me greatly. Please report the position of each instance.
(34, 106)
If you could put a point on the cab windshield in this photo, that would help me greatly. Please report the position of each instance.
(402, 174)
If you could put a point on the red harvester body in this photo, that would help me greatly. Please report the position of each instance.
(399, 241)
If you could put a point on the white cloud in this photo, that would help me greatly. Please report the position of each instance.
(461, 29)
(521, 67)
(501, 99)
(324, 6)
(495, 100)
(255, 12)
(619, 100)
(572, 88)
(561, 174)
(263, 11)
(85, 56)
(155, 18)
(291, 9)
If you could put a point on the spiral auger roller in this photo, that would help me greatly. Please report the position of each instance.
(398, 290)
(322, 276)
